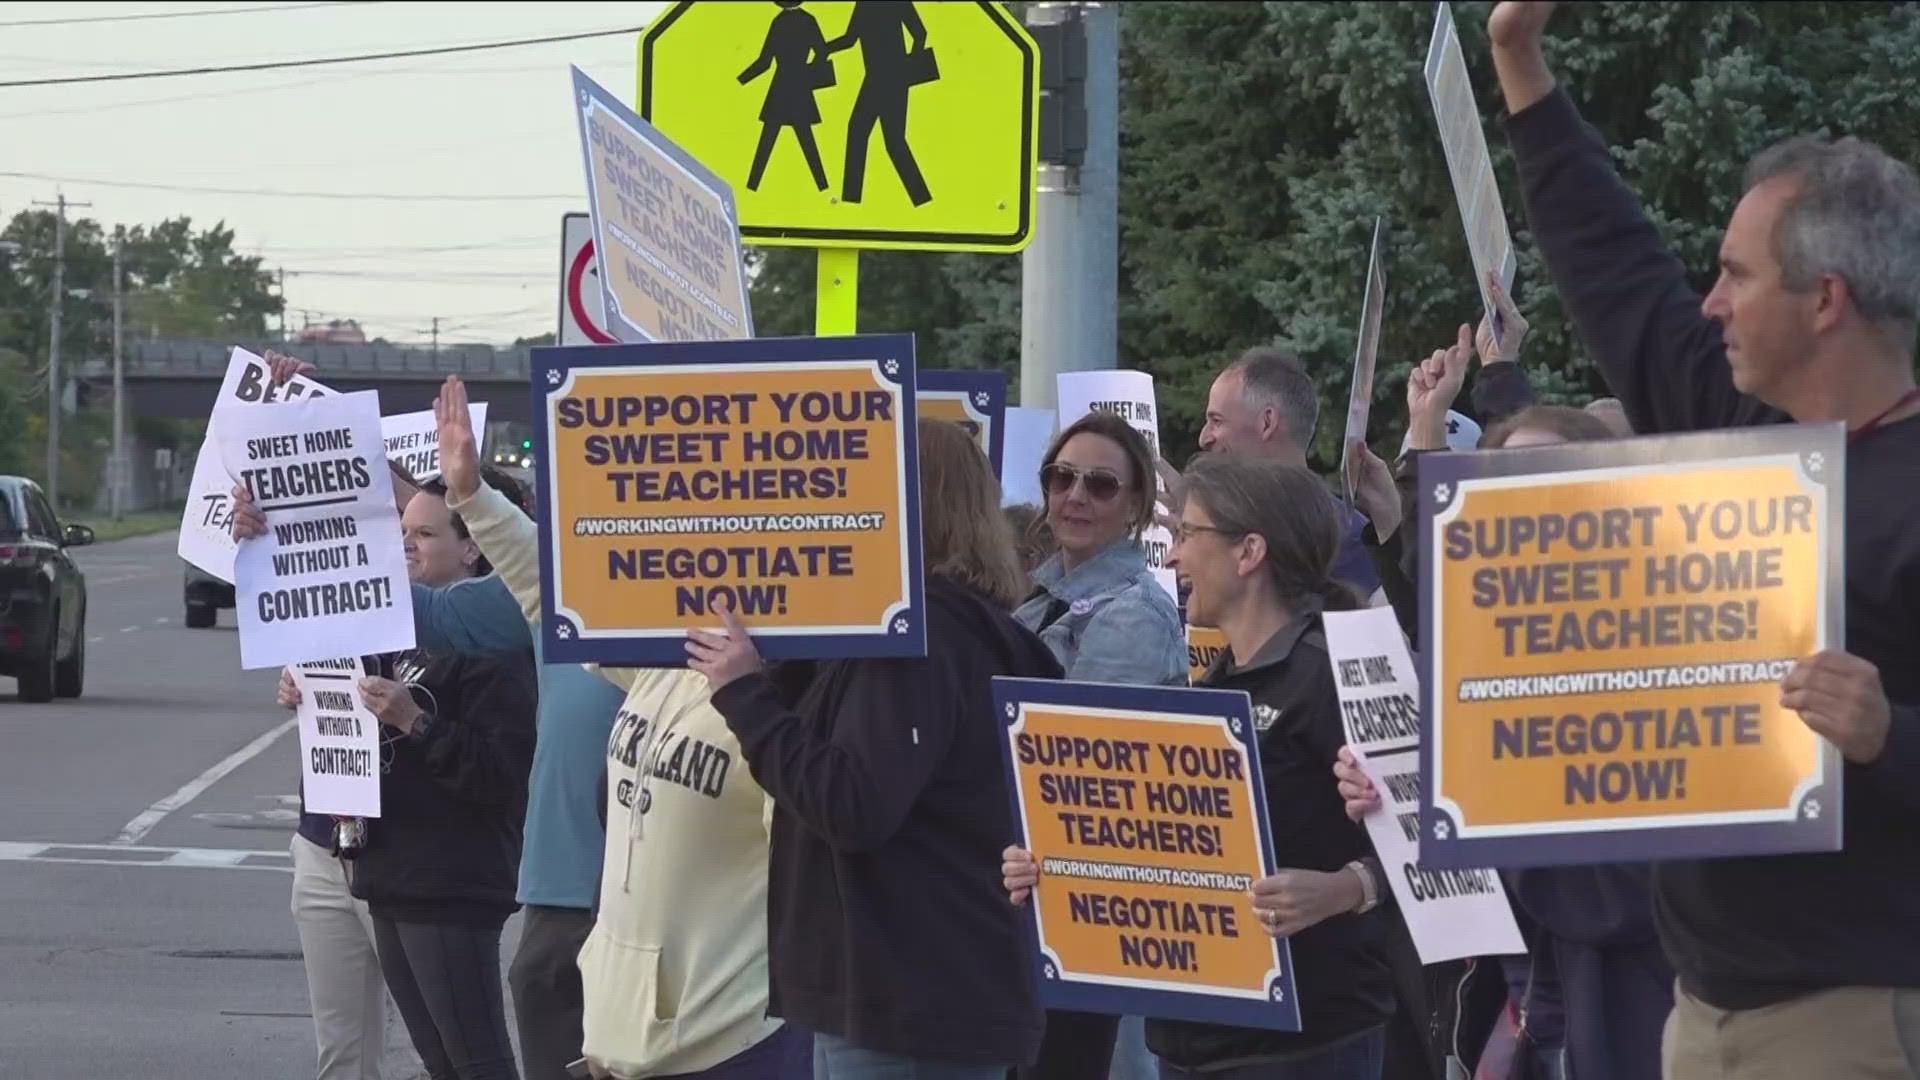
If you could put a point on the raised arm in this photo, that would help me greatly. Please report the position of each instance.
(1625, 293)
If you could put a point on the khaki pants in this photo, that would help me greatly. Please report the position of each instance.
(1853, 1033)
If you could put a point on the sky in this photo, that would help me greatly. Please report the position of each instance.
(475, 125)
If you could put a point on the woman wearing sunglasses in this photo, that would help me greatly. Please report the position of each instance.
(1099, 609)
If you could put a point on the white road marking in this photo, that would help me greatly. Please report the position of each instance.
(94, 639)
(143, 824)
(161, 621)
(128, 629)
(114, 854)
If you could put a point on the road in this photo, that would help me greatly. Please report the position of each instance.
(143, 853)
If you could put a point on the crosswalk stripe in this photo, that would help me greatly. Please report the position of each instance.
(130, 855)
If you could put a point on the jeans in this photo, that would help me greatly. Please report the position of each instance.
(835, 1058)
(1357, 1057)
(1131, 1058)
(446, 982)
(547, 996)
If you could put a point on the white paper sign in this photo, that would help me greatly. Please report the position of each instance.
(1465, 142)
(413, 439)
(1451, 914)
(330, 577)
(1373, 305)
(339, 740)
(206, 539)
(1129, 395)
(1029, 433)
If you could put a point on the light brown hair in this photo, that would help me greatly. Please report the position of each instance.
(1142, 486)
(1573, 425)
(964, 536)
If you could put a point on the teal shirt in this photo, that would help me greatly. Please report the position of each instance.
(560, 859)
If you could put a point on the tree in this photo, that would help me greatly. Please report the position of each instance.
(1258, 143)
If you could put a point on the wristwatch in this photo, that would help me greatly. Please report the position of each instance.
(421, 724)
(1369, 884)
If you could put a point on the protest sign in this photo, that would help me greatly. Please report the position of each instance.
(664, 229)
(413, 439)
(1605, 628)
(206, 537)
(1204, 646)
(1475, 187)
(1373, 303)
(1128, 395)
(1029, 433)
(329, 578)
(779, 477)
(1144, 809)
(976, 400)
(339, 739)
(1451, 914)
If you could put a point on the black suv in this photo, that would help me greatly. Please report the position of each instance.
(43, 595)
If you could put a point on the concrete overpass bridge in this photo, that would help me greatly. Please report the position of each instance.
(180, 378)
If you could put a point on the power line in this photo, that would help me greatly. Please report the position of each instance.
(263, 193)
(178, 14)
(318, 61)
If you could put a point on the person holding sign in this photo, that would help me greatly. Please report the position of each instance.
(1106, 619)
(1790, 966)
(1255, 547)
(437, 870)
(892, 941)
(681, 925)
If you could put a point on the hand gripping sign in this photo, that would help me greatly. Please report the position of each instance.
(1144, 808)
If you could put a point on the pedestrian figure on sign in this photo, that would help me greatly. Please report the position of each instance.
(892, 69)
(796, 51)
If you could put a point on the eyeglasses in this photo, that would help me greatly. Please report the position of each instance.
(1183, 532)
(1101, 485)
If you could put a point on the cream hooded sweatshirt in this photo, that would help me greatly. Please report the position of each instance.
(675, 971)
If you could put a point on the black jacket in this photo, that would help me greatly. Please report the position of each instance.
(453, 800)
(1750, 932)
(1340, 965)
(888, 922)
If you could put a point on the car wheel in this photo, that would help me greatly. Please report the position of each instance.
(36, 671)
(201, 616)
(70, 675)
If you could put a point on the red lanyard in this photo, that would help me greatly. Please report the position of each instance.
(1880, 421)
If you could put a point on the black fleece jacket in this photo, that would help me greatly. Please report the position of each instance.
(888, 923)
(453, 800)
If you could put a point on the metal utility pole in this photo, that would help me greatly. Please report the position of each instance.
(118, 473)
(53, 350)
(436, 335)
(1069, 274)
(281, 273)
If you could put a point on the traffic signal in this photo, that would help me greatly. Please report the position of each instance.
(526, 444)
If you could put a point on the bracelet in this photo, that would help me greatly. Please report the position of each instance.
(1369, 889)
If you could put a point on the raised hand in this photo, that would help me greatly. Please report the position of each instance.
(459, 450)
(1513, 328)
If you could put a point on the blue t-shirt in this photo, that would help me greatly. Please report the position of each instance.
(1352, 566)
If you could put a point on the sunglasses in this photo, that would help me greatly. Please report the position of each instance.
(1101, 485)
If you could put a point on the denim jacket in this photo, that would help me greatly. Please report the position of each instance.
(1120, 626)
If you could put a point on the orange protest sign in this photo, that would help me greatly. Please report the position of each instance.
(1144, 809)
(1606, 644)
(777, 477)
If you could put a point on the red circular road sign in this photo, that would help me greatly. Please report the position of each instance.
(576, 279)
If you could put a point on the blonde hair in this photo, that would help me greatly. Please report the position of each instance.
(963, 533)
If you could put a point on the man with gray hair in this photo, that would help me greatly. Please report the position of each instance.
(1806, 965)
(1265, 407)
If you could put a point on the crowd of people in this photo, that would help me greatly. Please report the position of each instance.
(742, 871)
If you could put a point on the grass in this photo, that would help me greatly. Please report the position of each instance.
(141, 523)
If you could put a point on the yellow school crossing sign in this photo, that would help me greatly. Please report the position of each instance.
(870, 124)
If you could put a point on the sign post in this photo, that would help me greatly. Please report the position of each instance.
(834, 137)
